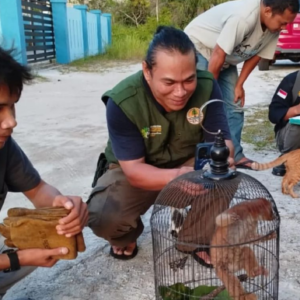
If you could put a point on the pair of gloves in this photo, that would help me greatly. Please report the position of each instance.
(36, 228)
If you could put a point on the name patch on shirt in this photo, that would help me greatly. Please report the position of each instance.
(155, 130)
(151, 131)
(282, 94)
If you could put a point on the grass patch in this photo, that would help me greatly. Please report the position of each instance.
(258, 130)
(125, 49)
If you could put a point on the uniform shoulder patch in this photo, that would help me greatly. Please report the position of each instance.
(282, 94)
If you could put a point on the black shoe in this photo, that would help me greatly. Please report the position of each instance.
(279, 170)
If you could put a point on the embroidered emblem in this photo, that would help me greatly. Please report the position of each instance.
(193, 116)
(145, 132)
(152, 131)
(281, 93)
(155, 130)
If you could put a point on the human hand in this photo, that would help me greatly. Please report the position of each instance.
(76, 219)
(231, 163)
(239, 94)
(192, 188)
(40, 257)
(184, 170)
(187, 186)
(297, 109)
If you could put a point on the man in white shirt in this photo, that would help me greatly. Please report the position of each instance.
(234, 32)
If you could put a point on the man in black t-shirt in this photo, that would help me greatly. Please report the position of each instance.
(286, 104)
(18, 175)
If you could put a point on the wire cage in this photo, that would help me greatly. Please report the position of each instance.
(215, 236)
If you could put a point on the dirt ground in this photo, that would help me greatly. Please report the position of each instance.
(62, 128)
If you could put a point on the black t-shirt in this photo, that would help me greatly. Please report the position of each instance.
(282, 101)
(127, 141)
(16, 171)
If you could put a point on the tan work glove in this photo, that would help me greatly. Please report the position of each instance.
(36, 228)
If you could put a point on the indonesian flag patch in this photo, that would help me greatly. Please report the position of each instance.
(281, 93)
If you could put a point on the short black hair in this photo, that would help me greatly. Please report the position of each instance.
(12, 73)
(279, 6)
(170, 39)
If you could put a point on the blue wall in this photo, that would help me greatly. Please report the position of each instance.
(92, 34)
(104, 32)
(85, 32)
(12, 27)
(75, 33)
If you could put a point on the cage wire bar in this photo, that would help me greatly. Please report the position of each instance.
(244, 251)
(173, 267)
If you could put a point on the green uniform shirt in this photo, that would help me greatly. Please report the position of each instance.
(170, 139)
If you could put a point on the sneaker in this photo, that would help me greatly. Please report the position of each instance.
(279, 170)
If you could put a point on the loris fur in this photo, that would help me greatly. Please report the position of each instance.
(234, 226)
(291, 161)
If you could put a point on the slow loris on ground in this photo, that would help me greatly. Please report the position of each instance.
(292, 175)
(235, 226)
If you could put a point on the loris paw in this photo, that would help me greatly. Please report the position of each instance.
(260, 271)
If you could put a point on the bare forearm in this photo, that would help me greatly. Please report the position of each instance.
(43, 195)
(292, 112)
(248, 67)
(147, 177)
(216, 61)
(215, 67)
(4, 262)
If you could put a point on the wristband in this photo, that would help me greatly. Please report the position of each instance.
(14, 260)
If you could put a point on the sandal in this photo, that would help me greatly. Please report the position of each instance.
(243, 164)
(124, 256)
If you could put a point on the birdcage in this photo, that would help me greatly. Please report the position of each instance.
(215, 235)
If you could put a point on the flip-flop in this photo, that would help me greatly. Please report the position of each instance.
(124, 256)
(200, 260)
(243, 164)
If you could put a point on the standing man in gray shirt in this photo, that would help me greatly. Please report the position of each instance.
(234, 32)
(18, 175)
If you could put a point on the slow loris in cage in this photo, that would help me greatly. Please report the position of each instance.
(235, 226)
(292, 175)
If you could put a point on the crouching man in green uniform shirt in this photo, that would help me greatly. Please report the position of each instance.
(153, 122)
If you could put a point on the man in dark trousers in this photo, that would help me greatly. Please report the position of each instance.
(231, 33)
(286, 104)
(153, 120)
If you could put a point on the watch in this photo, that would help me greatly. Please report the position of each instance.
(14, 260)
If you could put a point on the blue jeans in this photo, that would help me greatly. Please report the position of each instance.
(227, 81)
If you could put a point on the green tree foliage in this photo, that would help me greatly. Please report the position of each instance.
(135, 21)
(183, 11)
(139, 12)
